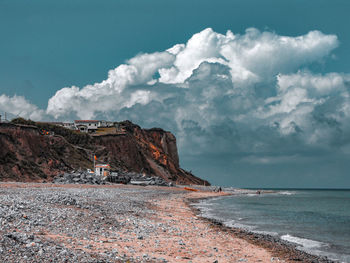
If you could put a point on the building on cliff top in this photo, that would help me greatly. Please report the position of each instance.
(88, 126)
(91, 126)
(69, 125)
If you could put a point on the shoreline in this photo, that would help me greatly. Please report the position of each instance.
(119, 223)
(279, 248)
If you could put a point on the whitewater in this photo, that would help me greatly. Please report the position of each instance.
(316, 221)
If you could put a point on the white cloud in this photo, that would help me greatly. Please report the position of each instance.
(317, 84)
(251, 56)
(203, 46)
(19, 106)
(249, 93)
(265, 54)
(111, 94)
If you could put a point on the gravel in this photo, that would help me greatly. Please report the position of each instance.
(61, 224)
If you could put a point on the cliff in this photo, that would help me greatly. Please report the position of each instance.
(27, 155)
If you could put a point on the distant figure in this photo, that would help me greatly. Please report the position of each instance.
(217, 189)
(258, 192)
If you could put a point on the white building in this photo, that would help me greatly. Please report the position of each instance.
(69, 125)
(86, 125)
(89, 125)
(102, 169)
(105, 124)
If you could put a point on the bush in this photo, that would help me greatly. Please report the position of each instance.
(73, 137)
(23, 121)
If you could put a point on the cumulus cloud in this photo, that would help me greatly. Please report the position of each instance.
(19, 106)
(111, 94)
(314, 104)
(251, 58)
(250, 96)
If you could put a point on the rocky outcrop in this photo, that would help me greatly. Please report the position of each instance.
(27, 155)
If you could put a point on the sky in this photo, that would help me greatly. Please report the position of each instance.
(256, 92)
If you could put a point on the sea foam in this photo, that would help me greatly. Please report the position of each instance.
(306, 243)
(286, 193)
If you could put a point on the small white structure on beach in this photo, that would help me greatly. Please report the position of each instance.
(102, 169)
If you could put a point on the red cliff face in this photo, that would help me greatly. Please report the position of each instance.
(26, 155)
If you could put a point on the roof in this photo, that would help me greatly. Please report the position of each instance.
(102, 165)
(86, 121)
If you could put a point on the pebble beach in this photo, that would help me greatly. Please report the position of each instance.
(119, 223)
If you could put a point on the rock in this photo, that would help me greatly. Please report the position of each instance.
(31, 244)
(79, 178)
(181, 243)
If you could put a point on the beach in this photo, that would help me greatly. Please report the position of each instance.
(118, 223)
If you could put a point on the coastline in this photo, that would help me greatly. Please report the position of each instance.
(118, 223)
(280, 249)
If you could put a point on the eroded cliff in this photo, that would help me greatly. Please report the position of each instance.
(27, 155)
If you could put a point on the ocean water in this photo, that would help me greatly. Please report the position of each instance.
(317, 221)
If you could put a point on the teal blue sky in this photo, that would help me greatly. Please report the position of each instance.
(48, 45)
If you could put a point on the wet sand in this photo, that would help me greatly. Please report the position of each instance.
(202, 241)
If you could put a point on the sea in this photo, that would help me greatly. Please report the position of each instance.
(316, 221)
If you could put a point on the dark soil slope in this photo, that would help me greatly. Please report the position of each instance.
(28, 155)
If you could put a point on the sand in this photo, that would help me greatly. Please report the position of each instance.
(126, 223)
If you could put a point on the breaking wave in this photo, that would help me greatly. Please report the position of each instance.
(306, 243)
(287, 193)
